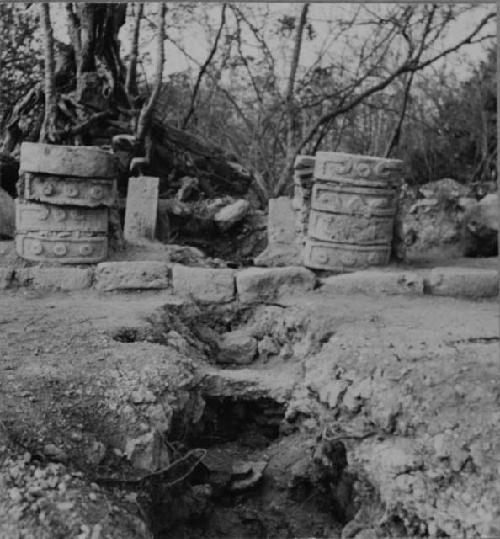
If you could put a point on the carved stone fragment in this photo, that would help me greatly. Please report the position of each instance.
(344, 257)
(82, 161)
(90, 192)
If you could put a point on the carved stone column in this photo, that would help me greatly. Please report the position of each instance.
(62, 211)
(353, 204)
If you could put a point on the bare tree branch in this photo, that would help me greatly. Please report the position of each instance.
(411, 65)
(204, 67)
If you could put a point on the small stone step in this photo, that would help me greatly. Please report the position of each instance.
(208, 285)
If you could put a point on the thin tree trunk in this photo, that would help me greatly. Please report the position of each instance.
(49, 121)
(144, 122)
(396, 135)
(290, 157)
(131, 78)
(292, 76)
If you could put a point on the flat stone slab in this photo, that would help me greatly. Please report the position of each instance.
(462, 282)
(373, 282)
(132, 275)
(55, 278)
(204, 284)
(261, 284)
(6, 275)
(142, 208)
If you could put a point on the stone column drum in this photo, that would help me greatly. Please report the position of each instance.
(62, 210)
(353, 204)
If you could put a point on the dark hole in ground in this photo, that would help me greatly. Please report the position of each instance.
(254, 482)
(253, 423)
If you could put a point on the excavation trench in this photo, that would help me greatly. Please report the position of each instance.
(251, 463)
(253, 472)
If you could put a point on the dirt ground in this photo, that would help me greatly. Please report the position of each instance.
(409, 384)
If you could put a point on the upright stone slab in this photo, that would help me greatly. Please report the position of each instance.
(282, 249)
(142, 208)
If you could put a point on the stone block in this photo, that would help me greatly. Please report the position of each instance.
(462, 282)
(263, 284)
(142, 208)
(6, 275)
(86, 162)
(372, 282)
(132, 275)
(204, 284)
(55, 278)
(237, 347)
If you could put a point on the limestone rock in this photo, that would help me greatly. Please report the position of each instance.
(7, 215)
(132, 275)
(237, 347)
(204, 284)
(462, 282)
(374, 282)
(261, 284)
(429, 221)
(232, 214)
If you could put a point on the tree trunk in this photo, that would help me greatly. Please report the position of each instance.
(93, 108)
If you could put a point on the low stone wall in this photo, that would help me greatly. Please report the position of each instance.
(214, 285)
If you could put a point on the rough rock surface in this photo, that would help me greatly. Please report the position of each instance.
(204, 284)
(261, 284)
(374, 282)
(132, 275)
